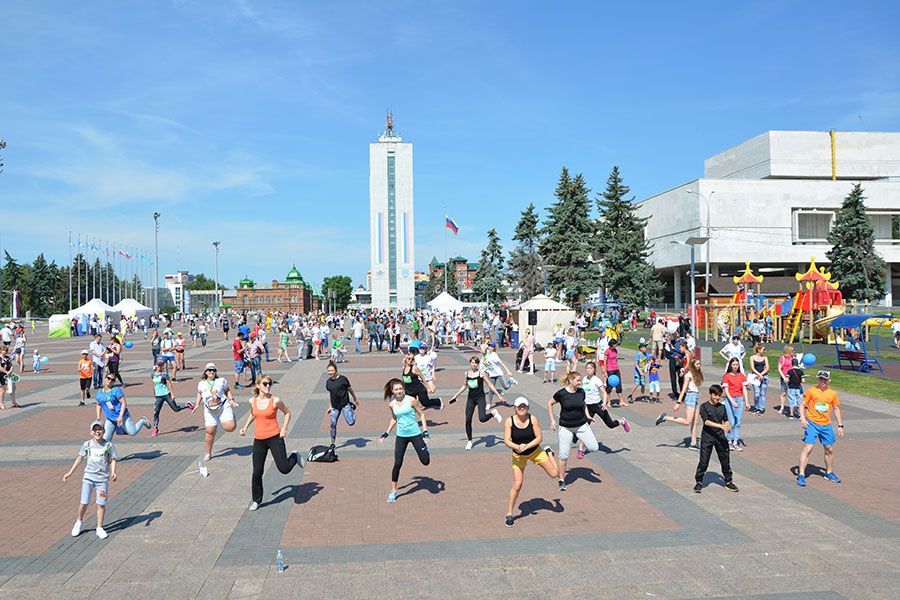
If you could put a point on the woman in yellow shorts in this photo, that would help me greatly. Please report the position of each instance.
(522, 435)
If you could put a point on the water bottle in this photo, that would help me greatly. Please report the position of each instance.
(279, 561)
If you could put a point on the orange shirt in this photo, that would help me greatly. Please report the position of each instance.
(266, 421)
(819, 404)
(85, 369)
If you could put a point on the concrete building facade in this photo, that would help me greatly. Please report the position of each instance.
(772, 200)
(391, 221)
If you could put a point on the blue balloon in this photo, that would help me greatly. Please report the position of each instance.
(129, 344)
(614, 381)
(44, 360)
(809, 359)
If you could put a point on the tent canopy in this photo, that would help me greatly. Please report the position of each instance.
(541, 314)
(854, 321)
(132, 308)
(444, 302)
(542, 302)
(94, 307)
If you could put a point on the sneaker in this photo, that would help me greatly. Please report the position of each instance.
(661, 418)
(301, 458)
(514, 381)
(832, 477)
(81, 403)
(253, 506)
(752, 409)
(630, 399)
(206, 457)
(101, 533)
(562, 485)
(469, 445)
(698, 488)
(625, 424)
(795, 414)
(731, 487)
(737, 447)
(580, 453)
(392, 497)
(440, 403)
(801, 480)
(496, 414)
(145, 423)
(190, 406)
(761, 412)
(89, 394)
(510, 521)
(154, 432)
(76, 529)
(694, 446)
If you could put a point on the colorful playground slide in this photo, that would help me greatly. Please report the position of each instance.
(821, 326)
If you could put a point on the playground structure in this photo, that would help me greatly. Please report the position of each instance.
(804, 315)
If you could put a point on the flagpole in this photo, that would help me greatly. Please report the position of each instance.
(70, 269)
(446, 265)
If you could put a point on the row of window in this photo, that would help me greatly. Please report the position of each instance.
(245, 299)
(813, 226)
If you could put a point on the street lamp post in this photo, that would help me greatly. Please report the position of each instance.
(692, 242)
(156, 216)
(543, 269)
(216, 282)
(708, 237)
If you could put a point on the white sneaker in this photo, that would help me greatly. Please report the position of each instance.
(514, 381)
(206, 457)
(468, 447)
(497, 416)
(101, 533)
(253, 506)
(76, 529)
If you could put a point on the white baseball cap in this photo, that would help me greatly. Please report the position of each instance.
(520, 401)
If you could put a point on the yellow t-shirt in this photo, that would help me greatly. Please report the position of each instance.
(819, 404)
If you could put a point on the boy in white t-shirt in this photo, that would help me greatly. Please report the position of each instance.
(549, 363)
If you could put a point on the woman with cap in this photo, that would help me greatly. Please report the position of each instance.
(412, 377)
(85, 372)
(164, 394)
(112, 405)
(268, 436)
(407, 414)
(476, 379)
(522, 435)
(574, 421)
(218, 405)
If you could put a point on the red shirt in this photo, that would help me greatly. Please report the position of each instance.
(237, 349)
(735, 383)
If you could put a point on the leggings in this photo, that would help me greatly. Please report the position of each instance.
(285, 463)
(421, 395)
(335, 416)
(113, 368)
(157, 406)
(483, 415)
(568, 434)
(598, 410)
(400, 445)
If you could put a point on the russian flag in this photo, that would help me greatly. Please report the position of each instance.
(451, 225)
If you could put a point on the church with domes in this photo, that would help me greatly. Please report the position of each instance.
(292, 295)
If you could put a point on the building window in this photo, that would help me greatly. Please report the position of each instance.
(812, 226)
(886, 226)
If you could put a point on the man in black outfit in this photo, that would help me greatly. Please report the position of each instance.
(715, 426)
(676, 359)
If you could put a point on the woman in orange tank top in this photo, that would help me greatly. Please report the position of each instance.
(268, 436)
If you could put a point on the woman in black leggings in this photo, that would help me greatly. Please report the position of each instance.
(412, 382)
(476, 379)
(268, 436)
(406, 414)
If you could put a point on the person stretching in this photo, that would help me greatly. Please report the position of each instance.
(476, 379)
(574, 420)
(406, 414)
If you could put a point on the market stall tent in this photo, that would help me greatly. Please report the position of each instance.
(132, 308)
(541, 314)
(445, 303)
(94, 307)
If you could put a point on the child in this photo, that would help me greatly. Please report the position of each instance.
(100, 468)
(36, 361)
(795, 389)
(715, 427)
(550, 363)
(640, 371)
(653, 379)
(85, 372)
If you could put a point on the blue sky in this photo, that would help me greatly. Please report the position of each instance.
(249, 121)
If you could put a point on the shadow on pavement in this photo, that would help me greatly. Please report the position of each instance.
(488, 441)
(301, 493)
(149, 455)
(236, 451)
(536, 505)
(420, 482)
(355, 442)
(582, 473)
(126, 522)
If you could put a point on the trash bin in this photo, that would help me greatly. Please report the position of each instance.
(514, 339)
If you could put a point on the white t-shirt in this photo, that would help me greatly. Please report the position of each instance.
(357, 330)
(592, 387)
(6, 335)
(425, 362)
(733, 350)
(213, 392)
(492, 365)
(895, 327)
(550, 353)
(168, 347)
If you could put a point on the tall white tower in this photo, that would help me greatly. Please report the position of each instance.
(391, 227)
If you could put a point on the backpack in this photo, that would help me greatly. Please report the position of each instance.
(324, 454)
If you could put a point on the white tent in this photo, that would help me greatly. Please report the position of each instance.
(132, 308)
(541, 314)
(95, 307)
(444, 302)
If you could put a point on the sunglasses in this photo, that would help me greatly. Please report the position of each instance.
(265, 384)
(521, 407)
(97, 430)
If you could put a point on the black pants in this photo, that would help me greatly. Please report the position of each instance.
(706, 447)
(483, 415)
(421, 394)
(157, 406)
(673, 376)
(113, 368)
(598, 410)
(400, 445)
(284, 462)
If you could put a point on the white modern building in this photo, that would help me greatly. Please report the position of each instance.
(391, 227)
(771, 200)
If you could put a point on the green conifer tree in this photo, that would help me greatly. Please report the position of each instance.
(488, 283)
(524, 260)
(854, 262)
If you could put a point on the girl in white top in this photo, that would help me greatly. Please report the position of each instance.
(597, 401)
(218, 405)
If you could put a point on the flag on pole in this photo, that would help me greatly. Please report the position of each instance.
(124, 255)
(451, 225)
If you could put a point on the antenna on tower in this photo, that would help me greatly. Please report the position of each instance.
(389, 124)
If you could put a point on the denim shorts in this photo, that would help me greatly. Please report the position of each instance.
(691, 398)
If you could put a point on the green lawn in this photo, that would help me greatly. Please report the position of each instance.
(872, 386)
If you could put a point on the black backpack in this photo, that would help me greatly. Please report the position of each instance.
(324, 454)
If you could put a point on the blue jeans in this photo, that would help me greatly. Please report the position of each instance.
(255, 368)
(98, 377)
(794, 397)
(735, 416)
(759, 393)
(357, 344)
(128, 427)
(349, 416)
(266, 346)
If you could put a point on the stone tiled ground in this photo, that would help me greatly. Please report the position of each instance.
(628, 526)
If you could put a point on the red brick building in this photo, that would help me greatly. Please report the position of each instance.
(461, 268)
(291, 295)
